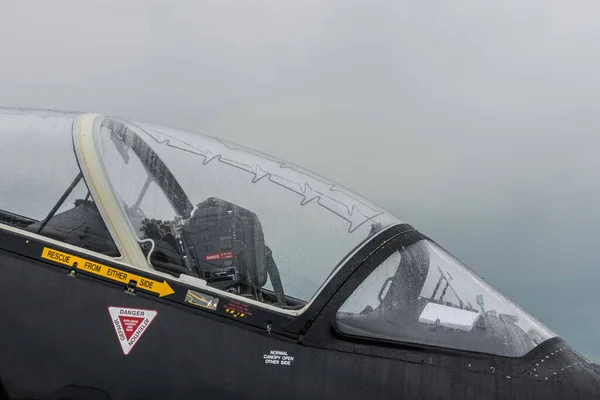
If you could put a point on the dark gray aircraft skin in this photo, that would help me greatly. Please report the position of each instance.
(58, 342)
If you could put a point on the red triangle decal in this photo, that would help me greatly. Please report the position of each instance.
(130, 324)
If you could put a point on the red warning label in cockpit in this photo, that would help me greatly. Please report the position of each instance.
(130, 324)
(219, 256)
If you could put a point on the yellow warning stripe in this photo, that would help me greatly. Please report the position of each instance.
(160, 288)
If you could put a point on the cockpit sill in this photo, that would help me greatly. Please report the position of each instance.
(546, 361)
(197, 282)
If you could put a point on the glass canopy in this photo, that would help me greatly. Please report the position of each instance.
(422, 294)
(245, 222)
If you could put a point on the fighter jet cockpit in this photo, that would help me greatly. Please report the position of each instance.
(244, 223)
(211, 214)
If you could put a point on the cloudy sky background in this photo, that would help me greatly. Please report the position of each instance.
(477, 122)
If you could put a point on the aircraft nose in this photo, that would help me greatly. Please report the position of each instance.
(579, 380)
(560, 374)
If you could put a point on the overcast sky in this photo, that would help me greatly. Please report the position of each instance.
(475, 121)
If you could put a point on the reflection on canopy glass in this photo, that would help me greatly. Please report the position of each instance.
(245, 222)
(421, 294)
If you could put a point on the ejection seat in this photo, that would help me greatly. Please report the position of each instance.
(221, 243)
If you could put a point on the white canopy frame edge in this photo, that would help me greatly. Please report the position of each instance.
(89, 162)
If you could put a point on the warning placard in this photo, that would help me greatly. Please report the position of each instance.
(219, 256)
(130, 324)
(160, 288)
